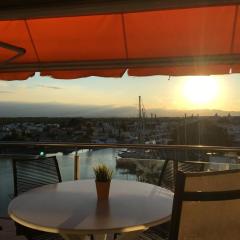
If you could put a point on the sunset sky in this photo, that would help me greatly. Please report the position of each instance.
(214, 92)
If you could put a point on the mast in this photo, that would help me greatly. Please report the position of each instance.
(140, 107)
(140, 121)
(185, 129)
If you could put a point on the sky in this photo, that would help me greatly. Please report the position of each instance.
(158, 92)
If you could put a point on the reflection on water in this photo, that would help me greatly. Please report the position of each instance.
(66, 162)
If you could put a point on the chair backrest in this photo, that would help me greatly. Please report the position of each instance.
(167, 175)
(206, 206)
(167, 178)
(32, 173)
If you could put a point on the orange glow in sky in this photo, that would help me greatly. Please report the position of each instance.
(180, 93)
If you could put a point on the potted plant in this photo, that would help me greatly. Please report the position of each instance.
(103, 177)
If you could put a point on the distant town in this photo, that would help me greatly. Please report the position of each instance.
(211, 130)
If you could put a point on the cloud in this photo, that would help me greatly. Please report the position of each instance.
(5, 91)
(50, 87)
(3, 83)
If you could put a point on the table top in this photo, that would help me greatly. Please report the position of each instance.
(72, 207)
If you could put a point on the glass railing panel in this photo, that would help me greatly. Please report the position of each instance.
(144, 170)
(129, 164)
(89, 159)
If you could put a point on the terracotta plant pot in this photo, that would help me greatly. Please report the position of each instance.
(102, 190)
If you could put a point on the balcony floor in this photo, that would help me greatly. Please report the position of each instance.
(8, 230)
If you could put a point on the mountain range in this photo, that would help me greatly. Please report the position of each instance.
(16, 109)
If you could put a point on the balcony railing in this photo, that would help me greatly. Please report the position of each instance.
(130, 161)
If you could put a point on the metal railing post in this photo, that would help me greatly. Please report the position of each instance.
(76, 165)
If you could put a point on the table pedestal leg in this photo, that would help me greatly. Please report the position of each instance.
(123, 236)
(129, 235)
(75, 237)
(100, 236)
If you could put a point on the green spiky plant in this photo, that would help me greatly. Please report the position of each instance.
(103, 173)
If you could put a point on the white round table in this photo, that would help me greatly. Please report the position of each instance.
(72, 208)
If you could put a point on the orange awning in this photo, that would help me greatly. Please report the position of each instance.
(168, 40)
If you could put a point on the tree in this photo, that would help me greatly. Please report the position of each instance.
(207, 132)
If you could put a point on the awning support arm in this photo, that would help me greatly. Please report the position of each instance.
(20, 51)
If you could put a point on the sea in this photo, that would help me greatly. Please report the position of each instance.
(88, 159)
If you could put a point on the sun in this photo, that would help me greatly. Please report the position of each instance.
(200, 91)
